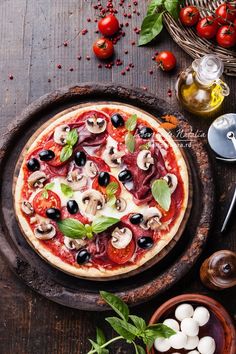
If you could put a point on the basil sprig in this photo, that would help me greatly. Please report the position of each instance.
(71, 140)
(152, 23)
(128, 327)
(111, 190)
(66, 190)
(75, 229)
(130, 125)
(161, 193)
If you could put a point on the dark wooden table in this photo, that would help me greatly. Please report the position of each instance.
(32, 39)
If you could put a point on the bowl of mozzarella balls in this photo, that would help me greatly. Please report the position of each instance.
(200, 323)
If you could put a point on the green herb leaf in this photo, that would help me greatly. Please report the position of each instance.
(112, 188)
(49, 186)
(138, 322)
(152, 7)
(154, 331)
(112, 200)
(161, 193)
(131, 123)
(152, 25)
(102, 223)
(139, 349)
(173, 7)
(122, 327)
(101, 339)
(145, 146)
(66, 153)
(72, 228)
(130, 142)
(45, 194)
(116, 304)
(72, 137)
(66, 190)
(98, 349)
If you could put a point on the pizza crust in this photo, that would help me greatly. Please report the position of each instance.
(85, 271)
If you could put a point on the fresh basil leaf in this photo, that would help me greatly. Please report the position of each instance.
(139, 349)
(102, 223)
(72, 228)
(72, 137)
(66, 190)
(154, 331)
(152, 7)
(89, 231)
(130, 142)
(152, 25)
(45, 194)
(66, 153)
(112, 200)
(49, 186)
(131, 123)
(98, 349)
(173, 7)
(116, 304)
(112, 188)
(138, 322)
(101, 339)
(122, 327)
(145, 146)
(161, 193)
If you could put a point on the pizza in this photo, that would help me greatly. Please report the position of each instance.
(101, 190)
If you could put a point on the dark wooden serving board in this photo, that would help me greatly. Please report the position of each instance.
(82, 293)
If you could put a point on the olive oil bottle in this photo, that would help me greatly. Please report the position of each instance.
(200, 88)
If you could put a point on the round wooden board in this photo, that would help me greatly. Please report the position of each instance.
(81, 293)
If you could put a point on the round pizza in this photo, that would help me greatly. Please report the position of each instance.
(101, 190)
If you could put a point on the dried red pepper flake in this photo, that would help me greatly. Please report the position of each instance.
(126, 51)
(99, 66)
(84, 31)
(88, 57)
(88, 19)
(133, 43)
(127, 68)
(79, 57)
(11, 77)
(59, 66)
(150, 72)
(126, 24)
(122, 72)
(129, 16)
(65, 44)
(71, 69)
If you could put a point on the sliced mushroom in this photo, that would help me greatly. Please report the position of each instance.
(151, 219)
(112, 156)
(96, 125)
(90, 169)
(76, 180)
(36, 179)
(92, 201)
(172, 181)
(45, 231)
(60, 134)
(27, 207)
(73, 244)
(145, 160)
(121, 238)
(120, 204)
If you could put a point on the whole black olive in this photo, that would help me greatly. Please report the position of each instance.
(145, 133)
(72, 207)
(83, 256)
(136, 219)
(117, 120)
(145, 242)
(53, 213)
(125, 176)
(103, 179)
(46, 155)
(80, 158)
(33, 164)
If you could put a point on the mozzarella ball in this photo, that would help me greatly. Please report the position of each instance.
(178, 340)
(207, 345)
(201, 315)
(194, 352)
(184, 311)
(192, 342)
(189, 327)
(173, 324)
(162, 344)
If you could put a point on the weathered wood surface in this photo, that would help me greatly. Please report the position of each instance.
(32, 36)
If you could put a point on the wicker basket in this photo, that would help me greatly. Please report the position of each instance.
(195, 46)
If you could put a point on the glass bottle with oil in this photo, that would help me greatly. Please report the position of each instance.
(200, 88)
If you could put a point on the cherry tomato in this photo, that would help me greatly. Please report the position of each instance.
(45, 199)
(189, 16)
(108, 25)
(56, 148)
(225, 13)
(166, 60)
(226, 36)
(103, 48)
(207, 27)
(120, 256)
(101, 189)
